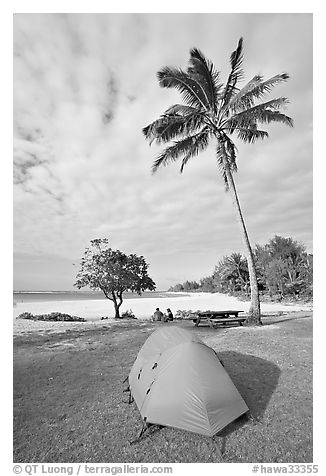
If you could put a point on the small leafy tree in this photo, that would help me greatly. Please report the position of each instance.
(113, 272)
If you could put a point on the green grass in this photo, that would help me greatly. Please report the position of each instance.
(69, 405)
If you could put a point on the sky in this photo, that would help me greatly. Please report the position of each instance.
(84, 87)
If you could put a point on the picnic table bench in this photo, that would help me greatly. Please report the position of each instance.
(214, 318)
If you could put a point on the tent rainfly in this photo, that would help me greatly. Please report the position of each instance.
(179, 381)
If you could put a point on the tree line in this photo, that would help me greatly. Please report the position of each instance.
(284, 270)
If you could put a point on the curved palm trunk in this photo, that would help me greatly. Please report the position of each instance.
(254, 316)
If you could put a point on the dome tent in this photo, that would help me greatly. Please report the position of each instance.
(179, 381)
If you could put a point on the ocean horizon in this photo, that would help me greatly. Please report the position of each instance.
(43, 296)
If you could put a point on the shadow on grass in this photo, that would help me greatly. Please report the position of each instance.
(272, 321)
(256, 379)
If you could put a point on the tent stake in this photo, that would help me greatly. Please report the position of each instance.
(142, 431)
(219, 451)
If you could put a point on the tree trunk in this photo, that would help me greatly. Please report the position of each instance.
(117, 313)
(116, 305)
(254, 317)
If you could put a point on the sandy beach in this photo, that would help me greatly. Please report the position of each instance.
(143, 308)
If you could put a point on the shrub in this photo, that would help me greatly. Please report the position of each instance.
(128, 314)
(190, 314)
(53, 316)
(25, 315)
(179, 314)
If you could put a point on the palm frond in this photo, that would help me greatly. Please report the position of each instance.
(208, 76)
(246, 129)
(170, 126)
(190, 89)
(238, 98)
(188, 147)
(199, 144)
(266, 112)
(235, 75)
(255, 89)
(181, 109)
(251, 135)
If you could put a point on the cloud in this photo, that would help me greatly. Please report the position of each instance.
(85, 86)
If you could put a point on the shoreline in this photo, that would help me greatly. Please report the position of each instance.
(143, 308)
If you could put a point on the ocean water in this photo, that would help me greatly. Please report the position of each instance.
(45, 296)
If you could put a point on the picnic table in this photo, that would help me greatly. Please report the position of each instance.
(214, 318)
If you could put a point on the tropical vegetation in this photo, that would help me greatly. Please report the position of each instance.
(284, 271)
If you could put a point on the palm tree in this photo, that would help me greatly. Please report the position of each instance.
(215, 111)
(235, 266)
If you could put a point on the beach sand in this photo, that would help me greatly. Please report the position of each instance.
(143, 309)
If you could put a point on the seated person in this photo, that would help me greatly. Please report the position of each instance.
(169, 314)
(157, 316)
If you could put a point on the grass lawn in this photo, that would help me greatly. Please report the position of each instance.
(69, 405)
